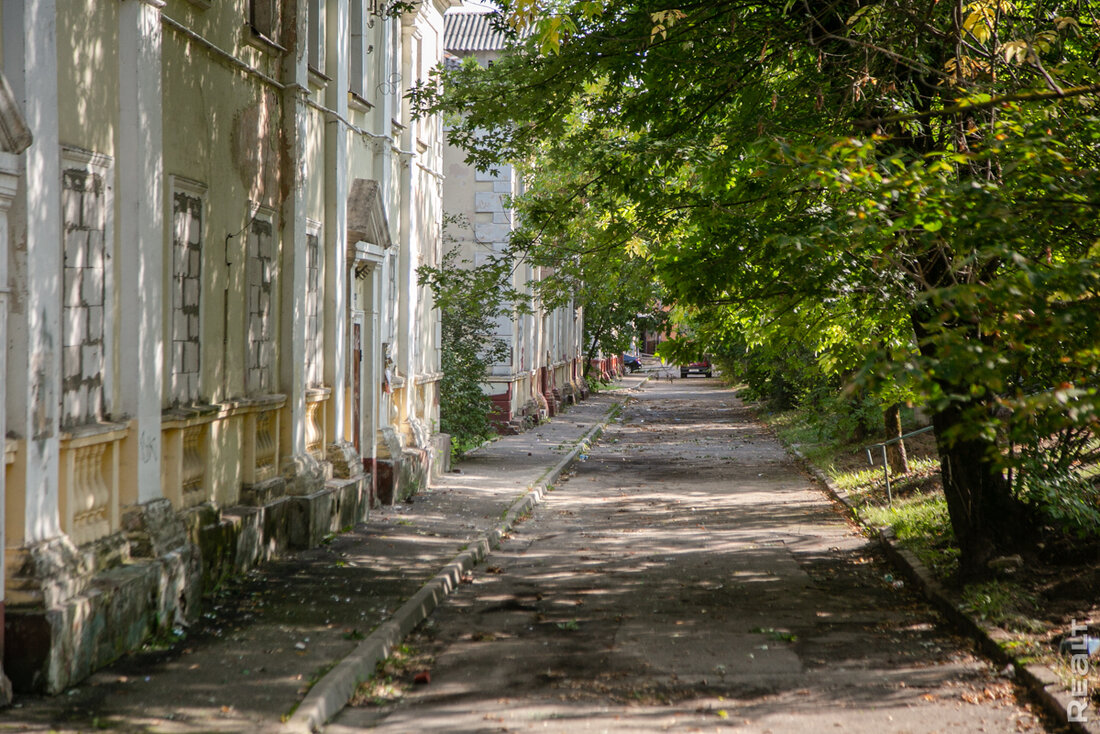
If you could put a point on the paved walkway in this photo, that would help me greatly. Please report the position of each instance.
(269, 649)
(688, 577)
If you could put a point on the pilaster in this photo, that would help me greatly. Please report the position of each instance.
(299, 468)
(34, 340)
(336, 220)
(9, 178)
(141, 246)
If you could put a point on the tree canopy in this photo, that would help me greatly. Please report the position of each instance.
(912, 183)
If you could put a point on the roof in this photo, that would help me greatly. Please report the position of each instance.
(471, 29)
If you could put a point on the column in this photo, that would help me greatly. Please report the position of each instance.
(9, 178)
(298, 467)
(336, 218)
(141, 245)
(34, 339)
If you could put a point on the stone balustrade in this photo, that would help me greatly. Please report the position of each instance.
(185, 455)
(89, 470)
(317, 405)
(261, 450)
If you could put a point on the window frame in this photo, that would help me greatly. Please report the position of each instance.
(314, 229)
(266, 215)
(196, 190)
(74, 158)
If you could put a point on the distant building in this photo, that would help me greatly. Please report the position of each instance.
(216, 347)
(545, 365)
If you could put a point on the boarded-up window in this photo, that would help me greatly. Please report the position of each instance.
(184, 349)
(314, 315)
(84, 196)
(261, 290)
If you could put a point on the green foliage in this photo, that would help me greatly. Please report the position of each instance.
(470, 299)
(922, 525)
(1068, 499)
(884, 198)
(1004, 604)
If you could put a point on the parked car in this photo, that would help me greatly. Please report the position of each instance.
(702, 367)
(631, 362)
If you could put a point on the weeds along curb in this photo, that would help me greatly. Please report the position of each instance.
(1040, 680)
(333, 691)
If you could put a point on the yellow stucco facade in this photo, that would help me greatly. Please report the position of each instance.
(214, 325)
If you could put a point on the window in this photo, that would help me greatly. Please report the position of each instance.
(263, 17)
(357, 48)
(314, 316)
(184, 341)
(315, 37)
(259, 368)
(86, 207)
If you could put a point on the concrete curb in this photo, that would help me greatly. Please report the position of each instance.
(333, 691)
(1040, 680)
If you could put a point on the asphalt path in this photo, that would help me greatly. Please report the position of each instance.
(688, 576)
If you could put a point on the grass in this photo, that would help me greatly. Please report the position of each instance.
(920, 523)
(1004, 604)
(919, 518)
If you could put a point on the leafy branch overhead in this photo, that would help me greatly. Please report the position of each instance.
(904, 191)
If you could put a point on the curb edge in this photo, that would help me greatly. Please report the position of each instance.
(331, 693)
(1042, 682)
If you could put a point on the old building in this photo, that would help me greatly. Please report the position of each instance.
(545, 365)
(216, 346)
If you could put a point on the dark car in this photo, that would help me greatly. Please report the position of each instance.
(631, 362)
(702, 367)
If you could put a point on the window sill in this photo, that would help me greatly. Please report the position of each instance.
(318, 78)
(254, 38)
(93, 433)
(358, 103)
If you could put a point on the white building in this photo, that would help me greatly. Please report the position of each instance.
(545, 367)
(216, 347)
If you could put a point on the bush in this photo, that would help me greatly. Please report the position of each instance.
(470, 299)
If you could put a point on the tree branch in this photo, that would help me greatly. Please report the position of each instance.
(968, 106)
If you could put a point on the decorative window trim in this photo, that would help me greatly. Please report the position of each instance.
(187, 186)
(87, 158)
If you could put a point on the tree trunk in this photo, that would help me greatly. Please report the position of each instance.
(895, 452)
(987, 519)
(593, 348)
(985, 516)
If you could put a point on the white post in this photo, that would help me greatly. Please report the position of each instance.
(141, 243)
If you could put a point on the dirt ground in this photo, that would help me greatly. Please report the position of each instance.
(687, 577)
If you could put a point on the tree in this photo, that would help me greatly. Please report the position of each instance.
(470, 300)
(590, 247)
(934, 158)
